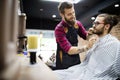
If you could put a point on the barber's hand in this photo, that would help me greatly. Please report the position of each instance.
(90, 31)
(91, 41)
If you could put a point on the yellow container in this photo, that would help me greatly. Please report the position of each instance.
(32, 42)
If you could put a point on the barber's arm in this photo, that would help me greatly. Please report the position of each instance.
(91, 38)
(77, 50)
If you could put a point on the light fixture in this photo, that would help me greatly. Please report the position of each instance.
(41, 9)
(54, 16)
(116, 5)
(73, 1)
(92, 18)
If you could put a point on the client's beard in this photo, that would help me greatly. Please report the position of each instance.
(100, 32)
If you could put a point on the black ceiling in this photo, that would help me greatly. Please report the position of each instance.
(39, 12)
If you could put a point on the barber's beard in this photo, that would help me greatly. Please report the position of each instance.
(70, 22)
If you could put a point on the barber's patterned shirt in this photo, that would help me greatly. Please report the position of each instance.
(102, 62)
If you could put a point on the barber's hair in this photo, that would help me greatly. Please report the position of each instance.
(64, 5)
(109, 19)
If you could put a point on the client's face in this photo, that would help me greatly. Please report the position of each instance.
(99, 26)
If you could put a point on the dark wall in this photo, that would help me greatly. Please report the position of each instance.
(37, 23)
